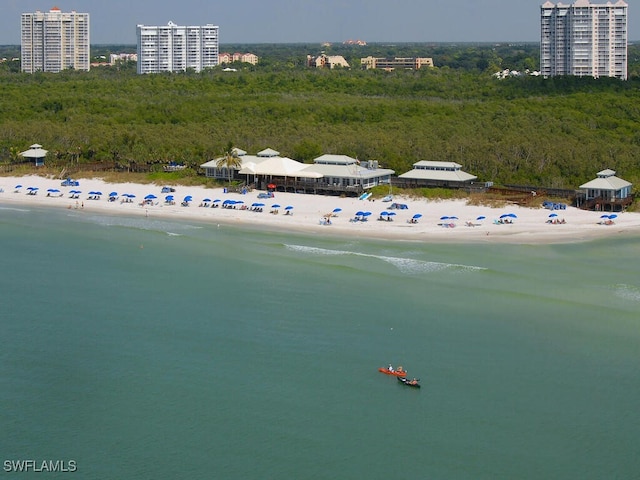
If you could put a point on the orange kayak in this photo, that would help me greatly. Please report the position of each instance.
(397, 373)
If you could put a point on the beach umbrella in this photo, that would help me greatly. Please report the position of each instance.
(113, 194)
(359, 213)
(98, 193)
(169, 198)
(391, 214)
(384, 214)
(52, 190)
(217, 200)
(444, 218)
(288, 207)
(418, 215)
(131, 195)
(188, 198)
(206, 200)
(337, 210)
(275, 205)
(512, 215)
(604, 216)
(18, 186)
(366, 214)
(613, 215)
(481, 217)
(551, 215)
(238, 202)
(151, 196)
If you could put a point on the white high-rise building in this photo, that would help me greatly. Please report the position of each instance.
(172, 48)
(54, 41)
(584, 39)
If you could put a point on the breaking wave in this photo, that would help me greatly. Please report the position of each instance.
(409, 266)
(628, 292)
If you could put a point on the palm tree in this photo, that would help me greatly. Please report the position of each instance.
(229, 160)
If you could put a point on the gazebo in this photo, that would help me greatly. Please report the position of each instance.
(37, 153)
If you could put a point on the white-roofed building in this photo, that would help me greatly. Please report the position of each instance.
(264, 168)
(36, 153)
(427, 173)
(606, 192)
(328, 174)
(341, 173)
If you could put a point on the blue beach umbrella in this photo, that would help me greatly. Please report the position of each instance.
(551, 215)
(604, 216)
(52, 190)
(98, 193)
(275, 205)
(481, 217)
(288, 207)
(384, 214)
(18, 186)
(151, 196)
(188, 198)
(613, 215)
(366, 214)
(169, 198)
(113, 194)
(206, 200)
(453, 218)
(359, 213)
(337, 210)
(418, 215)
(444, 218)
(391, 214)
(217, 200)
(512, 215)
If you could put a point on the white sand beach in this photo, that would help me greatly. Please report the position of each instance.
(308, 213)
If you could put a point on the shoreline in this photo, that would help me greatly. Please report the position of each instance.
(309, 212)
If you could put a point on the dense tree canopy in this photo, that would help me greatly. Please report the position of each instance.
(554, 132)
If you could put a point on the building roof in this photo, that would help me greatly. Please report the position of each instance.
(606, 181)
(329, 158)
(279, 167)
(35, 151)
(351, 170)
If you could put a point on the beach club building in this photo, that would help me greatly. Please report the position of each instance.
(436, 174)
(605, 193)
(265, 168)
(328, 174)
(341, 173)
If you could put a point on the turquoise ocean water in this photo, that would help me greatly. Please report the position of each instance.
(156, 349)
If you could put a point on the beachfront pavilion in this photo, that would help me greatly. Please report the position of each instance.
(436, 174)
(265, 168)
(605, 193)
(344, 174)
(35, 152)
(277, 173)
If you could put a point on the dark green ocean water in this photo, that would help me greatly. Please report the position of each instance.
(141, 348)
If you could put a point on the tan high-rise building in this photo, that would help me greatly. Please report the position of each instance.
(54, 41)
(584, 39)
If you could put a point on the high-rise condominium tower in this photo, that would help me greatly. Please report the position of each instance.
(584, 39)
(54, 41)
(172, 48)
